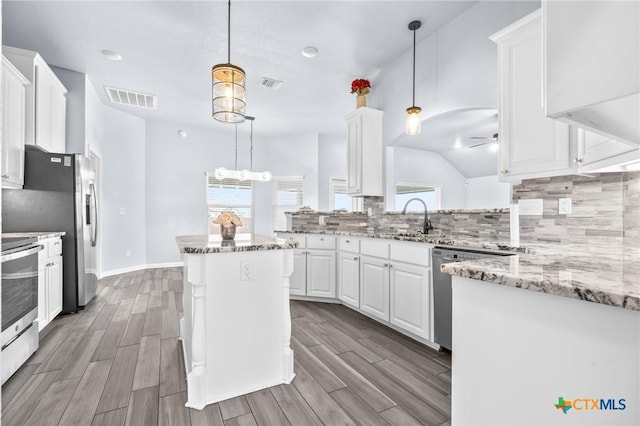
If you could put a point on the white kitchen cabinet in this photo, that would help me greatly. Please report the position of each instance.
(314, 266)
(13, 86)
(49, 281)
(410, 298)
(595, 151)
(364, 152)
(321, 273)
(46, 101)
(591, 65)
(530, 143)
(349, 278)
(349, 271)
(374, 287)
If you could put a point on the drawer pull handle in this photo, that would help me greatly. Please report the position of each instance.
(321, 239)
(347, 241)
(57, 243)
(5, 176)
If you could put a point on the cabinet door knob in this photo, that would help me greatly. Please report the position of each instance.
(347, 241)
(321, 239)
(386, 265)
(577, 160)
(504, 171)
(355, 258)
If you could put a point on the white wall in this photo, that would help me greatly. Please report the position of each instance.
(455, 67)
(332, 163)
(416, 166)
(176, 188)
(120, 139)
(487, 193)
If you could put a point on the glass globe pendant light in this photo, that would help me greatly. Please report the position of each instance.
(413, 112)
(228, 92)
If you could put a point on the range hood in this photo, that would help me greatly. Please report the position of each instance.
(617, 118)
(592, 66)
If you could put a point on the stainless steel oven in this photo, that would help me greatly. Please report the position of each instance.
(19, 302)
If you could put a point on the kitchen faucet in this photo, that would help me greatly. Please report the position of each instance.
(427, 223)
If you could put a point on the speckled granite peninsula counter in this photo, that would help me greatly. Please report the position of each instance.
(236, 327)
(561, 322)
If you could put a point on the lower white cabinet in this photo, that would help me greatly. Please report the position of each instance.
(49, 281)
(349, 278)
(410, 298)
(374, 287)
(314, 267)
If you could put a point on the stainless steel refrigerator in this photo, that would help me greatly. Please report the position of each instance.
(60, 195)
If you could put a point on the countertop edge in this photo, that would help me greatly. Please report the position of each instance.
(43, 235)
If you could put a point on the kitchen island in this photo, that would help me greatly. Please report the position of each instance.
(551, 337)
(236, 327)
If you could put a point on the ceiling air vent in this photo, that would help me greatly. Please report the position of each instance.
(270, 83)
(131, 98)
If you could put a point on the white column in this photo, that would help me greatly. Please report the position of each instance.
(287, 354)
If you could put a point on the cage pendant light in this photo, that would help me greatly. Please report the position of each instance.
(228, 87)
(413, 112)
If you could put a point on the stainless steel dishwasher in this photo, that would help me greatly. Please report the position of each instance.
(442, 287)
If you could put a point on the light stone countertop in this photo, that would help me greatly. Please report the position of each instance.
(608, 275)
(40, 235)
(435, 239)
(202, 244)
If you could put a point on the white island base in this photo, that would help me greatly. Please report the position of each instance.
(515, 352)
(236, 327)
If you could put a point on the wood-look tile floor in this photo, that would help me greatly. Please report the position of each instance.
(119, 362)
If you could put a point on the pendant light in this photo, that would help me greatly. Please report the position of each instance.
(244, 174)
(413, 112)
(228, 91)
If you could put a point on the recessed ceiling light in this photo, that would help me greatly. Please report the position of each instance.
(458, 144)
(494, 147)
(182, 133)
(110, 54)
(309, 52)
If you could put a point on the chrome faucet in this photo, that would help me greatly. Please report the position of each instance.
(427, 223)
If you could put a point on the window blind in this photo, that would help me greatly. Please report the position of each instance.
(288, 196)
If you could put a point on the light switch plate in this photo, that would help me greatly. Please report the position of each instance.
(564, 206)
(532, 207)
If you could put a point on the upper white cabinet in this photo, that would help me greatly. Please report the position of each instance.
(46, 101)
(592, 65)
(13, 88)
(530, 143)
(364, 152)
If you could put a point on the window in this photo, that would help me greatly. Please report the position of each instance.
(339, 199)
(223, 194)
(430, 194)
(288, 196)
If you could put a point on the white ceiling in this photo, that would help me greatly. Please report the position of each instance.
(169, 47)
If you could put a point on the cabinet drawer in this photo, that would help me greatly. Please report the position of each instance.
(321, 242)
(376, 248)
(349, 244)
(55, 247)
(416, 253)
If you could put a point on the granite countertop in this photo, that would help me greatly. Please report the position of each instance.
(40, 235)
(451, 211)
(435, 239)
(607, 275)
(202, 244)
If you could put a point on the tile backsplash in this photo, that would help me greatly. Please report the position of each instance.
(605, 208)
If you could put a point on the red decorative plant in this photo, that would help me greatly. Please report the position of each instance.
(360, 86)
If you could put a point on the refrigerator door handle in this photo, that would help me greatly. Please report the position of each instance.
(94, 236)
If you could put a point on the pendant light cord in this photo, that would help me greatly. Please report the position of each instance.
(414, 68)
(236, 160)
(251, 151)
(229, 34)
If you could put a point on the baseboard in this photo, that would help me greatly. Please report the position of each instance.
(139, 268)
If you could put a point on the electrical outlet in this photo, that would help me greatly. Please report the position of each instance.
(321, 220)
(531, 207)
(564, 206)
(246, 271)
(123, 210)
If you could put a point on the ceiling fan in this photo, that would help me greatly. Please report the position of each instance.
(488, 140)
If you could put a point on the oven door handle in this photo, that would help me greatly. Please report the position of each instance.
(20, 253)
